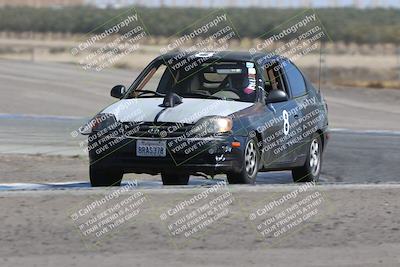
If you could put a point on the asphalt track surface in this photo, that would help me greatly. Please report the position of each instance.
(351, 157)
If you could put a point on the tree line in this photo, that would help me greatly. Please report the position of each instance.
(342, 24)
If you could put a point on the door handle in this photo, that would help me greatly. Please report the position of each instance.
(271, 107)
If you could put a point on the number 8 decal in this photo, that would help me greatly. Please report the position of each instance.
(286, 125)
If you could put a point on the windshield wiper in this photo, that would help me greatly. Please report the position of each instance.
(208, 96)
(141, 93)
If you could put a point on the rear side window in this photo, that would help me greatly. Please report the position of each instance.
(296, 80)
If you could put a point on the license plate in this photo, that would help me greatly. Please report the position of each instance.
(150, 148)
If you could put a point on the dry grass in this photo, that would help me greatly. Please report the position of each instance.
(371, 84)
(355, 69)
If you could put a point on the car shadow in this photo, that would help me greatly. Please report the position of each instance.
(282, 177)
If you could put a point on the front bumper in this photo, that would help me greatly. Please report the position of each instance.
(205, 155)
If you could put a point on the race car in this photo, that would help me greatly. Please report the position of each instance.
(209, 113)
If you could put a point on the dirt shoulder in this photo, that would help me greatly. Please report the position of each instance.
(22, 168)
(355, 226)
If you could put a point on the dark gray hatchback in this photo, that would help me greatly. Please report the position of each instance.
(209, 113)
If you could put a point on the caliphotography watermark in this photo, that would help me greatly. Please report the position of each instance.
(197, 44)
(109, 43)
(106, 133)
(191, 217)
(299, 37)
(103, 216)
(288, 212)
(289, 132)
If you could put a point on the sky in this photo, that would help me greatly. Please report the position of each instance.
(280, 3)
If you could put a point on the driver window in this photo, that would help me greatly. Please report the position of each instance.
(274, 79)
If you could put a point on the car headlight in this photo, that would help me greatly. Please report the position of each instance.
(212, 125)
(99, 122)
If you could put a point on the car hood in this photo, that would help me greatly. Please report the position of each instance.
(190, 111)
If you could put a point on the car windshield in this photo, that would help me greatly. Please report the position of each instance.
(215, 80)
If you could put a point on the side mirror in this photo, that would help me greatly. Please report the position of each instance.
(118, 91)
(275, 96)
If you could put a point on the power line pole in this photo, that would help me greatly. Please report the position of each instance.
(376, 3)
(334, 3)
(357, 3)
(398, 61)
(306, 3)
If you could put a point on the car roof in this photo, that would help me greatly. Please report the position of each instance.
(262, 58)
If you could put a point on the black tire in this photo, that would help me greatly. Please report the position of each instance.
(246, 176)
(311, 170)
(169, 178)
(104, 177)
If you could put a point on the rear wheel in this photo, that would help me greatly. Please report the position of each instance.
(169, 178)
(312, 167)
(105, 177)
(250, 165)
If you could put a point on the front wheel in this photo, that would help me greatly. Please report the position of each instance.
(250, 163)
(169, 178)
(104, 177)
(312, 167)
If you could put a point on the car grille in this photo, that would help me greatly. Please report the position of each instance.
(155, 130)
